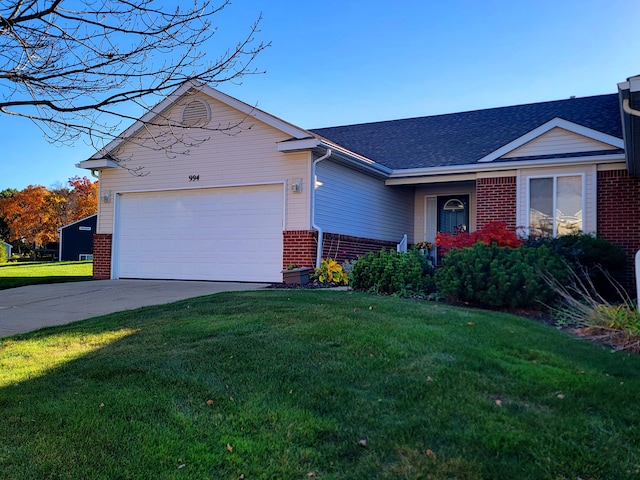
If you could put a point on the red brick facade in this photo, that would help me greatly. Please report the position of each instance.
(618, 219)
(102, 256)
(300, 247)
(496, 201)
(618, 195)
(344, 247)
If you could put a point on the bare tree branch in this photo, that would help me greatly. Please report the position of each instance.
(74, 67)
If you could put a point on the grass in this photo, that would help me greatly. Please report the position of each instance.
(19, 275)
(295, 384)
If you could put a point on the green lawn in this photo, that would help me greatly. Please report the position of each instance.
(21, 274)
(298, 384)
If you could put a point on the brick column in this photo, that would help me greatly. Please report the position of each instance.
(496, 201)
(102, 256)
(299, 248)
(619, 216)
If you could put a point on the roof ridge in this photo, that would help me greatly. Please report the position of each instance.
(505, 107)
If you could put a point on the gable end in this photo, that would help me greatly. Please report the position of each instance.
(559, 141)
(539, 134)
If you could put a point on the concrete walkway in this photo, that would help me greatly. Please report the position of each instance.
(29, 308)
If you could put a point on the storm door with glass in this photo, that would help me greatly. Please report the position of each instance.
(453, 214)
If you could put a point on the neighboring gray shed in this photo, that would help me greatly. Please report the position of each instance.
(76, 239)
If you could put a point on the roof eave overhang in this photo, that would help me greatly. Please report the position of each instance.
(547, 127)
(191, 87)
(338, 153)
(471, 171)
(103, 163)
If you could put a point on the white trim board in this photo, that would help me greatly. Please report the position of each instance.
(546, 127)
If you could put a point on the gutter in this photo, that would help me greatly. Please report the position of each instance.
(315, 226)
(398, 176)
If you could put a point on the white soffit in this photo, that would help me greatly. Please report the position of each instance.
(546, 127)
(98, 164)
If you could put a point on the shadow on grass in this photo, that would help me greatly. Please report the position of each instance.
(299, 384)
(14, 282)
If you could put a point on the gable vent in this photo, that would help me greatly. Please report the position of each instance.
(196, 111)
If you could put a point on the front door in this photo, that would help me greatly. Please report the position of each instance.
(453, 214)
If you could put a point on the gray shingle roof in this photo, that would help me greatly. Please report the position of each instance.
(464, 138)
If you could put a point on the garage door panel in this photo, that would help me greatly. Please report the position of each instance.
(208, 234)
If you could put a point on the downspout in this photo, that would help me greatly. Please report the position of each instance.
(313, 205)
(627, 108)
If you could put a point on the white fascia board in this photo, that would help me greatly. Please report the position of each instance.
(297, 145)
(78, 221)
(191, 87)
(361, 158)
(398, 175)
(634, 84)
(254, 112)
(544, 128)
(147, 117)
(98, 164)
(451, 177)
(337, 151)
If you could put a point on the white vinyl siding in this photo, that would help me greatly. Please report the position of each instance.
(558, 141)
(426, 208)
(355, 204)
(244, 155)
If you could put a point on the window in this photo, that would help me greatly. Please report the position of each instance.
(556, 204)
(453, 214)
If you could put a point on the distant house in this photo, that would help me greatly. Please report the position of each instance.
(76, 239)
(7, 247)
(249, 202)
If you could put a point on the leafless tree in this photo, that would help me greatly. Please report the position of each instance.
(76, 67)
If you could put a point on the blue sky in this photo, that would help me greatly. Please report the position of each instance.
(344, 62)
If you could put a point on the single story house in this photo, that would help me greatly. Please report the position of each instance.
(237, 194)
(76, 239)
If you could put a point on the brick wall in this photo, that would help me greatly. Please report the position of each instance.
(344, 247)
(300, 247)
(102, 255)
(619, 216)
(496, 201)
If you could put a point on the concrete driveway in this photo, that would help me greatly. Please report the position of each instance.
(29, 308)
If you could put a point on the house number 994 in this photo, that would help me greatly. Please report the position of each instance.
(194, 178)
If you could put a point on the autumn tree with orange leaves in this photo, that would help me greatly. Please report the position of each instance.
(33, 215)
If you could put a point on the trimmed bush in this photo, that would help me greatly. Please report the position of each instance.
(499, 277)
(393, 273)
(3, 254)
(589, 257)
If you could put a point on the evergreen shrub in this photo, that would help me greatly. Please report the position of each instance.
(591, 258)
(392, 273)
(500, 277)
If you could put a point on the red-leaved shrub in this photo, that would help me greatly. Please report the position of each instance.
(492, 233)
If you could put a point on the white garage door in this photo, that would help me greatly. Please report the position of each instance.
(210, 234)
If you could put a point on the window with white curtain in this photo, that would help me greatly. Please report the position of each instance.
(556, 204)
